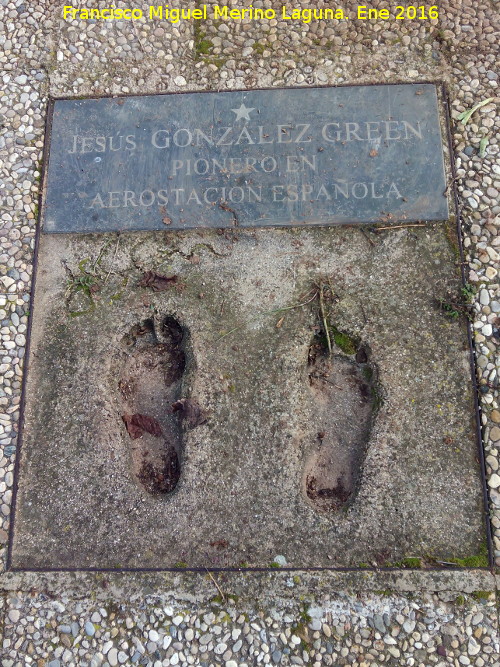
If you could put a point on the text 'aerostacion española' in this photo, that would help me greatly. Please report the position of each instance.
(224, 13)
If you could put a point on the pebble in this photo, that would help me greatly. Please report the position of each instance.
(494, 481)
(378, 622)
(112, 657)
(89, 629)
(14, 615)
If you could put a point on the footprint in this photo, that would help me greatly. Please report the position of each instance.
(345, 400)
(149, 384)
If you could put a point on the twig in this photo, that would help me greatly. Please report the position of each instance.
(297, 305)
(134, 27)
(363, 311)
(323, 318)
(445, 562)
(370, 241)
(379, 229)
(112, 261)
(101, 252)
(216, 585)
(270, 312)
(323, 379)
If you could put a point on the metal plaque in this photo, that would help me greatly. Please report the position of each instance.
(263, 158)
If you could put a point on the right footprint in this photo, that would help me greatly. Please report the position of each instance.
(345, 400)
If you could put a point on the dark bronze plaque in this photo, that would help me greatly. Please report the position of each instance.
(251, 158)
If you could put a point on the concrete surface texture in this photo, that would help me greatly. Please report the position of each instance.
(318, 457)
(411, 617)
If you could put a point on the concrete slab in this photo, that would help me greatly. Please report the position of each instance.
(364, 456)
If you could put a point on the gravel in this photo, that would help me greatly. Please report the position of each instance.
(43, 55)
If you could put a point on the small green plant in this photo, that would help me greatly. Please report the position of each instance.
(377, 398)
(305, 616)
(274, 564)
(460, 600)
(180, 565)
(449, 309)
(482, 146)
(84, 283)
(465, 116)
(259, 48)
(300, 629)
(468, 293)
(202, 46)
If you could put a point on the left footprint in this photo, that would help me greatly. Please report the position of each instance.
(149, 384)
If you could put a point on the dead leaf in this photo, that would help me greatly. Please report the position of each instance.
(190, 411)
(373, 153)
(157, 282)
(279, 323)
(133, 430)
(220, 544)
(137, 424)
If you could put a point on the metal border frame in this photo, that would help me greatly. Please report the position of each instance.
(443, 93)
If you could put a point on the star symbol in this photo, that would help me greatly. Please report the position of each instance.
(243, 112)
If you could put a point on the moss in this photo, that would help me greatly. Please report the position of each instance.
(180, 565)
(300, 629)
(305, 616)
(275, 565)
(259, 48)
(412, 563)
(221, 600)
(451, 237)
(481, 595)
(344, 341)
(377, 399)
(367, 373)
(218, 62)
(217, 599)
(480, 560)
(202, 46)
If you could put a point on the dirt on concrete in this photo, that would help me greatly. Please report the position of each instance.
(363, 455)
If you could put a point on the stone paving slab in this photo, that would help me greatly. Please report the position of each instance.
(247, 488)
